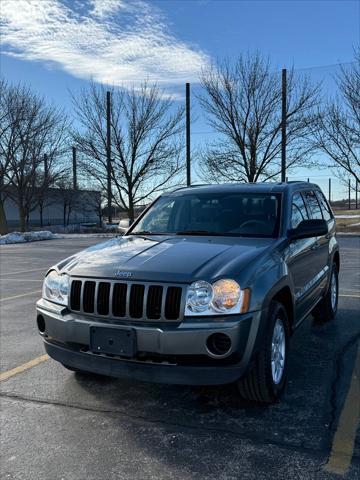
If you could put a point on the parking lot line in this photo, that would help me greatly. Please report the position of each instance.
(22, 368)
(21, 295)
(346, 295)
(25, 271)
(344, 438)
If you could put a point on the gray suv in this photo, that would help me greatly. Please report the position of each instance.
(206, 287)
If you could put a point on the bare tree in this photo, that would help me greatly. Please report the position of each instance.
(33, 129)
(10, 113)
(338, 132)
(146, 145)
(243, 104)
(68, 197)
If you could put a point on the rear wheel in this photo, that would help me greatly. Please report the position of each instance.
(327, 308)
(265, 382)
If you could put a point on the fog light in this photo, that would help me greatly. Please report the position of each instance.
(41, 323)
(218, 344)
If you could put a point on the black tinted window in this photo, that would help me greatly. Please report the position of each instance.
(298, 210)
(324, 206)
(313, 206)
(238, 214)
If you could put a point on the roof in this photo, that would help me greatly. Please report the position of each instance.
(259, 187)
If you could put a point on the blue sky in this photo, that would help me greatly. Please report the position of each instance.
(56, 45)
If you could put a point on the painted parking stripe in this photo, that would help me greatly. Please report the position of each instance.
(19, 296)
(351, 296)
(22, 368)
(44, 269)
(344, 438)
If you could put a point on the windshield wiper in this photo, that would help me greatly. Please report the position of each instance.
(198, 232)
(141, 232)
(147, 232)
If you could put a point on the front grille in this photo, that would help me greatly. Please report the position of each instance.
(139, 301)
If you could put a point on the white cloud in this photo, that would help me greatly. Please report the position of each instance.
(104, 8)
(118, 42)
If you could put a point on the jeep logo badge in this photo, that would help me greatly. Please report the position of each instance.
(122, 274)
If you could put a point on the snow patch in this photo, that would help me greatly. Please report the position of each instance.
(17, 237)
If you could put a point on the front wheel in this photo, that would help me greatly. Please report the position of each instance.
(326, 309)
(266, 380)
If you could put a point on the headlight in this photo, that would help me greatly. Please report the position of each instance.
(227, 294)
(200, 295)
(56, 288)
(223, 297)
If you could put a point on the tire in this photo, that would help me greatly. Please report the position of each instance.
(261, 384)
(327, 308)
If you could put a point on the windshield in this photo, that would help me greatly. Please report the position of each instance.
(227, 214)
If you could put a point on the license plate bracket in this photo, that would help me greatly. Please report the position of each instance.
(115, 341)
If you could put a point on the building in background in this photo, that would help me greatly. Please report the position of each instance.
(59, 207)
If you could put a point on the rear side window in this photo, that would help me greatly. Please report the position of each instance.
(324, 206)
(298, 210)
(313, 206)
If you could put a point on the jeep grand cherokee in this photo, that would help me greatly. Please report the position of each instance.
(206, 287)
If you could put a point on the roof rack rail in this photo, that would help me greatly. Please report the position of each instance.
(181, 187)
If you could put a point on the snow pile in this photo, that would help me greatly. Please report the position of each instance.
(17, 237)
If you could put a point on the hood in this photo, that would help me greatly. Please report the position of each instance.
(166, 259)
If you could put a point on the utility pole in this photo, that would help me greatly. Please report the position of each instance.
(108, 153)
(283, 125)
(74, 162)
(330, 191)
(188, 160)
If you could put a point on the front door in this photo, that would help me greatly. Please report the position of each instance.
(301, 258)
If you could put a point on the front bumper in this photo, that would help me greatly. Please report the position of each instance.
(162, 349)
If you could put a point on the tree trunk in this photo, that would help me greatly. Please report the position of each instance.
(3, 222)
(41, 209)
(64, 212)
(131, 211)
(68, 216)
(27, 220)
(22, 218)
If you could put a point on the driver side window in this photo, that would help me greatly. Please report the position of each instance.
(298, 210)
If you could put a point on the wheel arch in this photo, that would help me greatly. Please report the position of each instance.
(336, 260)
(281, 292)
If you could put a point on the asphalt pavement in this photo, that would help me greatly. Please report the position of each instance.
(59, 425)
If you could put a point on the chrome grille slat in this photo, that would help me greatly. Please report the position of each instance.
(95, 296)
(152, 301)
(163, 300)
(127, 304)
(111, 294)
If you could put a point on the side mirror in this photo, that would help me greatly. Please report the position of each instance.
(124, 223)
(308, 229)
